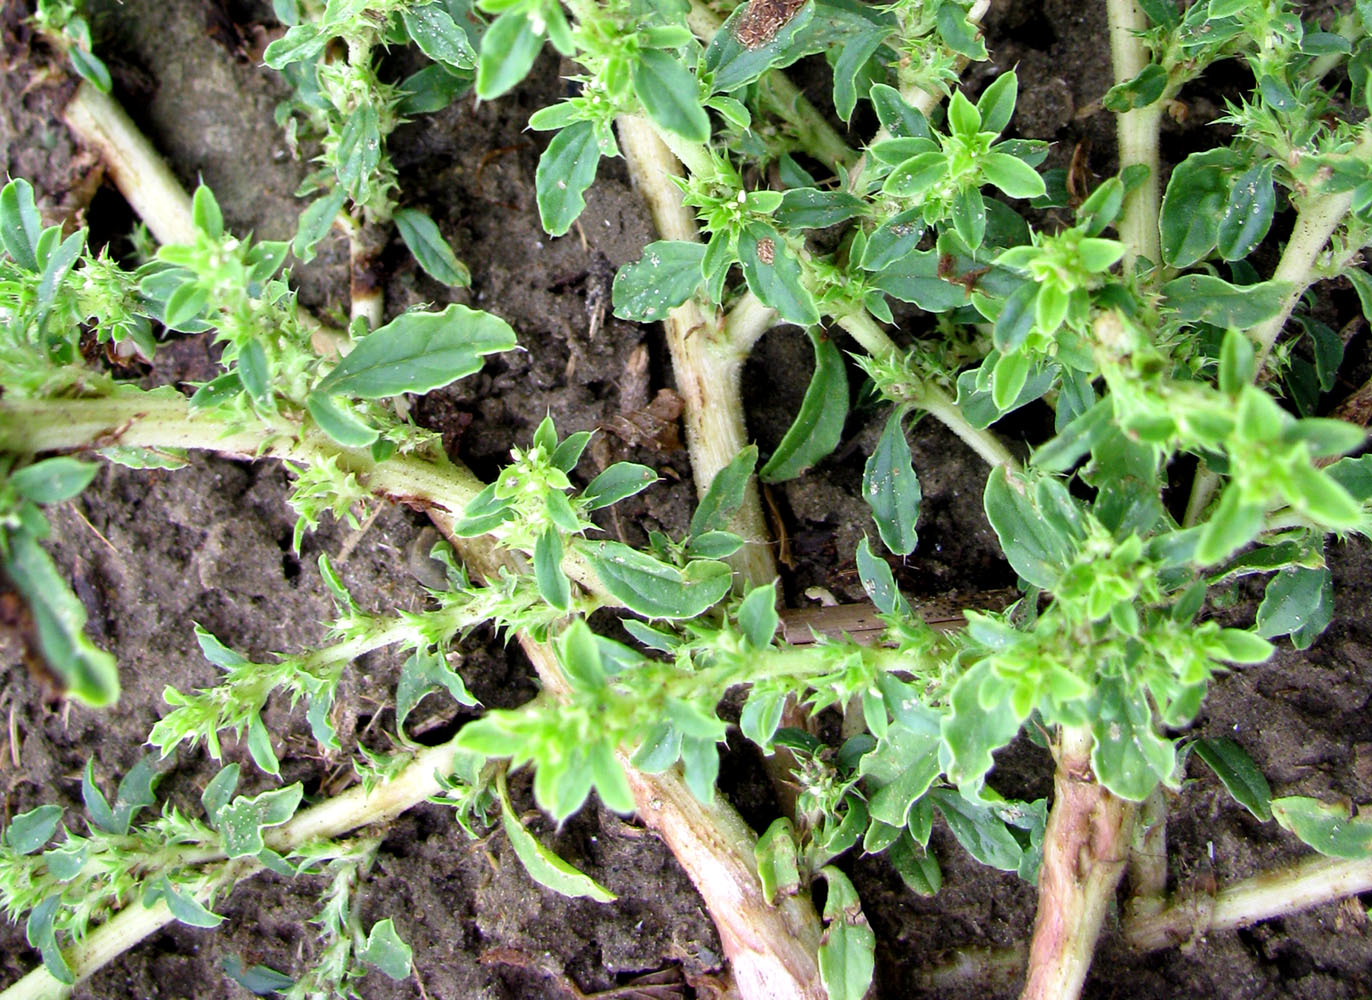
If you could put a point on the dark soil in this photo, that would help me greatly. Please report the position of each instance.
(152, 553)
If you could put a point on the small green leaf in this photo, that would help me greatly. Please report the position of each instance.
(774, 274)
(665, 276)
(777, 867)
(41, 932)
(1038, 523)
(1298, 602)
(419, 351)
(1328, 828)
(979, 830)
(508, 50)
(205, 212)
(1129, 757)
(386, 950)
(90, 68)
(757, 616)
(847, 947)
(219, 792)
(53, 480)
(29, 831)
(90, 673)
(552, 582)
(725, 494)
(811, 208)
(1238, 773)
(653, 588)
(1205, 298)
(429, 247)
(878, 580)
(184, 906)
(565, 170)
(996, 104)
(917, 868)
(670, 95)
(543, 866)
(438, 36)
(891, 488)
(316, 221)
(1195, 202)
(1248, 213)
(1012, 175)
(240, 823)
(971, 733)
(20, 223)
(336, 419)
(621, 480)
(358, 152)
(818, 425)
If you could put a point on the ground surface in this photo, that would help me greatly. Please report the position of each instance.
(211, 544)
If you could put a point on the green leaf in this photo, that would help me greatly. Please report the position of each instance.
(878, 580)
(1012, 175)
(775, 275)
(725, 494)
(1016, 319)
(1232, 525)
(20, 224)
(90, 68)
(1195, 202)
(891, 488)
(53, 480)
(240, 823)
(1038, 523)
(565, 170)
(847, 947)
(552, 582)
(1354, 475)
(358, 152)
(896, 116)
(316, 221)
(621, 480)
(508, 50)
(811, 208)
(757, 616)
(1298, 602)
(665, 276)
(818, 425)
(900, 769)
(670, 95)
(255, 373)
(336, 419)
(893, 240)
(184, 906)
(1238, 773)
(219, 792)
(303, 43)
(958, 32)
(1248, 213)
(971, 733)
(1205, 298)
(1129, 757)
(700, 762)
(1328, 828)
(735, 64)
(90, 673)
(205, 212)
(386, 950)
(543, 866)
(29, 831)
(424, 672)
(653, 588)
(777, 867)
(41, 933)
(917, 868)
(979, 830)
(438, 36)
(417, 352)
(1237, 361)
(429, 247)
(916, 175)
(431, 89)
(996, 104)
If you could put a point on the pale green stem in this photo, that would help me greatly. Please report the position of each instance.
(349, 810)
(1138, 131)
(142, 176)
(1307, 883)
(930, 398)
(1084, 851)
(747, 321)
(1319, 216)
(1148, 855)
(707, 362)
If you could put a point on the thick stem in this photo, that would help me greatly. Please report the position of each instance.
(142, 176)
(707, 364)
(1084, 852)
(1138, 136)
(1305, 884)
(367, 299)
